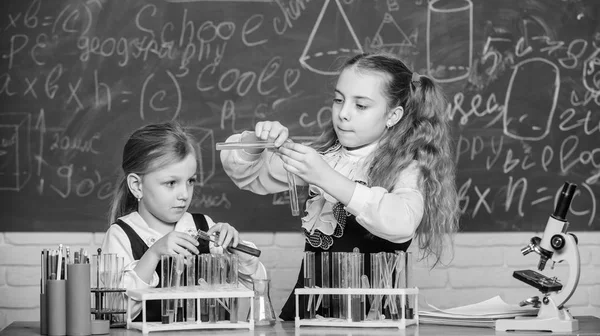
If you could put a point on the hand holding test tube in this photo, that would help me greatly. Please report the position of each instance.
(295, 208)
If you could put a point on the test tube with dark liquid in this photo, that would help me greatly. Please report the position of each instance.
(325, 283)
(309, 282)
(233, 278)
(354, 277)
(224, 302)
(336, 264)
(410, 304)
(214, 280)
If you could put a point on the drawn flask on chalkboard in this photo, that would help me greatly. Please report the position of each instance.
(531, 99)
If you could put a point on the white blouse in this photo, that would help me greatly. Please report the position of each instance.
(117, 241)
(392, 215)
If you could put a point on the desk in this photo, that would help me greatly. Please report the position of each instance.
(588, 325)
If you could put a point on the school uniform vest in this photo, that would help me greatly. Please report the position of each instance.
(139, 247)
(352, 235)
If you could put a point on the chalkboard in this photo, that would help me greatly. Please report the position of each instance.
(78, 76)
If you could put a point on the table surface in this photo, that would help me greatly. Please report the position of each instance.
(588, 325)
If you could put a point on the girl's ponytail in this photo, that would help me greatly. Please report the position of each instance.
(123, 201)
(431, 146)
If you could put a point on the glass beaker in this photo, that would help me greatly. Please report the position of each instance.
(263, 310)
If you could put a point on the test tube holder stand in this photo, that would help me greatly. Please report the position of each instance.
(101, 313)
(401, 323)
(189, 292)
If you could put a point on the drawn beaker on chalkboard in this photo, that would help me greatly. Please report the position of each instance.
(320, 54)
(449, 39)
(591, 73)
(531, 99)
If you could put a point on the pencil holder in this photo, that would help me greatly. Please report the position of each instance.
(56, 307)
(78, 300)
(43, 315)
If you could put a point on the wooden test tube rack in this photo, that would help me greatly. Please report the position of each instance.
(189, 292)
(401, 323)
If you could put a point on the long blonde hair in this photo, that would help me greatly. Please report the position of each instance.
(422, 135)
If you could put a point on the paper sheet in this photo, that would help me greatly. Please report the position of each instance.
(491, 309)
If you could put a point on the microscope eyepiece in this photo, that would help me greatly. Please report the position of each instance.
(564, 201)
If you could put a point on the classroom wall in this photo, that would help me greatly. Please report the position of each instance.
(482, 268)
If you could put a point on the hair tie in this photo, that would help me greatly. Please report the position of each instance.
(416, 79)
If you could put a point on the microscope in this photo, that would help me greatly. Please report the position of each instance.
(557, 246)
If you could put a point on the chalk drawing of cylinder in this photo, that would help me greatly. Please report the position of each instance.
(531, 99)
(449, 39)
(15, 156)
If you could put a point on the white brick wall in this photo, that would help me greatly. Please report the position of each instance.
(481, 268)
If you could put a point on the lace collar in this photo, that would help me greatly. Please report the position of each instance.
(319, 207)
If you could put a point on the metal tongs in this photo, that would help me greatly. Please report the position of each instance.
(240, 246)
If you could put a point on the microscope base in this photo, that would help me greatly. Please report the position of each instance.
(540, 324)
(549, 318)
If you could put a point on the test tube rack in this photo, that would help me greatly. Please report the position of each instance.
(101, 313)
(401, 323)
(189, 292)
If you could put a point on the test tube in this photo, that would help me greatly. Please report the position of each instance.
(95, 283)
(354, 277)
(214, 280)
(119, 300)
(190, 280)
(325, 283)
(223, 303)
(167, 305)
(361, 268)
(244, 145)
(309, 282)
(107, 271)
(375, 311)
(205, 276)
(410, 304)
(344, 283)
(335, 283)
(400, 281)
(389, 262)
(293, 194)
(177, 280)
(234, 282)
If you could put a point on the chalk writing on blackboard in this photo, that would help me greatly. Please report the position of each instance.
(76, 77)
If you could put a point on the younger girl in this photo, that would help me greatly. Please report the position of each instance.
(379, 176)
(149, 211)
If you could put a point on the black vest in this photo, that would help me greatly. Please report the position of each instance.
(355, 235)
(139, 247)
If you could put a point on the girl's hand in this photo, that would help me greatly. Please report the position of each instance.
(304, 162)
(175, 243)
(271, 130)
(228, 235)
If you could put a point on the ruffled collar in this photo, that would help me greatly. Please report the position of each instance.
(320, 206)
